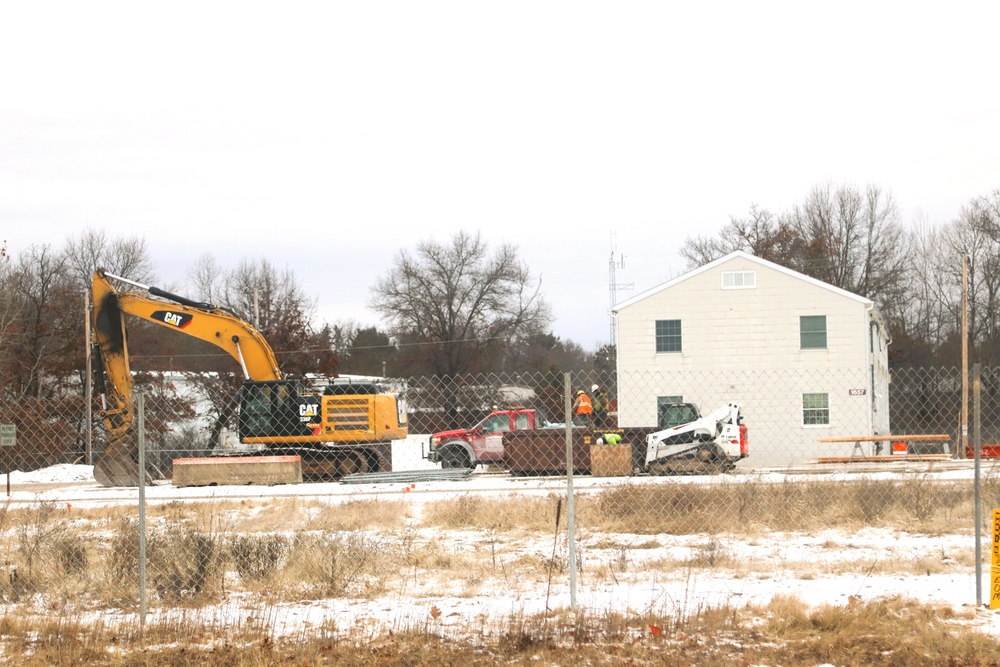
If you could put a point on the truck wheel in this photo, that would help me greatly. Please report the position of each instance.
(454, 459)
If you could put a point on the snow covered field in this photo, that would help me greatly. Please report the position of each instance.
(825, 567)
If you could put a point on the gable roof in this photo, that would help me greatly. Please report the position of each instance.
(739, 254)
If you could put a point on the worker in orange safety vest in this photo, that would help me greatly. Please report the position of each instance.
(583, 410)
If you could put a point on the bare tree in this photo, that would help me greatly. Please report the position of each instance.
(699, 250)
(49, 327)
(11, 306)
(759, 233)
(986, 213)
(206, 277)
(935, 288)
(460, 302)
(125, 256)
(344, 332)
(853, 240)
(260, 291)
(976, 235)
(933, 312)
(276, 304)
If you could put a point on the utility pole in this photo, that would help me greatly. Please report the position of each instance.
(88, 386)
(965, 355)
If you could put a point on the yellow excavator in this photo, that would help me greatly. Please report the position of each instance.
(338, 429)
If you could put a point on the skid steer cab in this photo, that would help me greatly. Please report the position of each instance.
(698, 444)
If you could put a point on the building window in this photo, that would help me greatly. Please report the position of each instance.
(812, 332)
(815, 409)
(668, 335)
(739, 279)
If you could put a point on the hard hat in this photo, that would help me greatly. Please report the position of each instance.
(594, 388)
(579, 392)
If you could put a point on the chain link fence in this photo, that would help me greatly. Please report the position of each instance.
(477, 502)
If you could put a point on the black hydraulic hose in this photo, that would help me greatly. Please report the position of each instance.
(183, 300)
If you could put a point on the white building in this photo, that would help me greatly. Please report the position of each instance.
(806, 359)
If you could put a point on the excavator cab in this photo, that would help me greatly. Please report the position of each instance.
(276, 408)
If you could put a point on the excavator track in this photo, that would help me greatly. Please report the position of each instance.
(327, 465)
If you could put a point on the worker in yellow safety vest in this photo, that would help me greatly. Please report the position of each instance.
(600, 406)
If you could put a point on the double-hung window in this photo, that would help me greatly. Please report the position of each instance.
(812, 332)
(668, 335)
(816, 409)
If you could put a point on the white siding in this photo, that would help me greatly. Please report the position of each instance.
(750, 329)
(744, 345)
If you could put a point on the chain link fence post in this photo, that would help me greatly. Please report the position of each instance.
(977, 487)
(141, 408)
(570, 512)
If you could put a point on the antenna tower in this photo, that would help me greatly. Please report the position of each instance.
(613, 286)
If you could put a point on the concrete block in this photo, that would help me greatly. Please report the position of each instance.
(217, 470)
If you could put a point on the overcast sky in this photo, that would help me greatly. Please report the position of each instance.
(326, 137)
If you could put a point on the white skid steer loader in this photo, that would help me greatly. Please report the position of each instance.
(709, 444)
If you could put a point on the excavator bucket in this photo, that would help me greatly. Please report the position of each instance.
(118, 465)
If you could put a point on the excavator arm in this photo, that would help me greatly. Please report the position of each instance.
(118, 465)
(202, 320)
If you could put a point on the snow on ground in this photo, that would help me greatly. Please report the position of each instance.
(63, 473)
(757, 573)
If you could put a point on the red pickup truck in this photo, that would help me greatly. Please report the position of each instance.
(483, 443)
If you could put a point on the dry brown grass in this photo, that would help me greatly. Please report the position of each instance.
(756, 507)
(512, 513)
(297, 548)
(787, 632)
(62, 563)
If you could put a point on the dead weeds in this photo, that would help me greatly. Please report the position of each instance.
(892, 631)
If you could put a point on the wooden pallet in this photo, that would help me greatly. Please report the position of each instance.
(884, 459)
